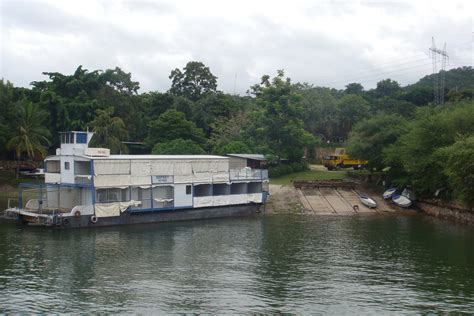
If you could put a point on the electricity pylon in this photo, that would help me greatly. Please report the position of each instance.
(439, 80)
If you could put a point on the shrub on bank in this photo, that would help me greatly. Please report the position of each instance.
(284, 169)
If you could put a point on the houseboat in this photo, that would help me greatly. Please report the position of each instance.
(89, 187)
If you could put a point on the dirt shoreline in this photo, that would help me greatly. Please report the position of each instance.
(283, 200)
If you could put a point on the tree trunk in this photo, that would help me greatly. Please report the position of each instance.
(18, 168)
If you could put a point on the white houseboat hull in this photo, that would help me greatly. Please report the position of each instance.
(128, 218)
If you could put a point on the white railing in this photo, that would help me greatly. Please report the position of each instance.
(248, 174)
(36, 204)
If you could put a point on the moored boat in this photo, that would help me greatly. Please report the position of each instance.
(88, 187)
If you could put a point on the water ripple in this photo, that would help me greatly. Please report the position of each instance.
(279, 264)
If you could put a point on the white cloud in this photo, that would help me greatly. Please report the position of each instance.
(323, 42)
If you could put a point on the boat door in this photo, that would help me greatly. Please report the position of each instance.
(183, 196)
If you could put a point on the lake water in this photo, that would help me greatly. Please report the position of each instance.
(267, 264)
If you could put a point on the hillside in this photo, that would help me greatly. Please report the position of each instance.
(458, 78)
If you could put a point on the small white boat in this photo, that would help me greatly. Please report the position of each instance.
(367, 201)
(401, 200)
(388, 193)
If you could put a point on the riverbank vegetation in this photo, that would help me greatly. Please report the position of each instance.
(311, 174)
(398, 129)
(433, 152)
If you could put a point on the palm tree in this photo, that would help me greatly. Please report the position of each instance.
(109, 131)
(29, 136)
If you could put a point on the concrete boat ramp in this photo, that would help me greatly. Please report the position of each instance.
(335, 198)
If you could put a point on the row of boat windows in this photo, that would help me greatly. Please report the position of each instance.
(167, 192)
(73, 138)
(80, 167)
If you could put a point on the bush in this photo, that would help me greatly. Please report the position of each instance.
(284, 169)
(459, 168)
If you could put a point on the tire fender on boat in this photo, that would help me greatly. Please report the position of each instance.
(49, 221)
(65, 221)
(77, 213)
(93, 219)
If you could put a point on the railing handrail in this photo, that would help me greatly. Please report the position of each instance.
(248, 174)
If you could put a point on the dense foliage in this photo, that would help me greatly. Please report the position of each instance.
(396, 128)
(430, 153)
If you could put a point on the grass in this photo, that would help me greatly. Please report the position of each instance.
(309, 175)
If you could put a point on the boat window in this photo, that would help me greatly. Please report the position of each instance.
(81, 138)
(254, 187)
(102, 195)
(67, 138)
(188, 189)
(111, 195)
(238, 188)
(202, 190)
(66, 165)
(221, 189)
(52, 166)
(114, 195)
(82, 167)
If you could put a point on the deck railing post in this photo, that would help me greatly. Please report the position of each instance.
(20, 196)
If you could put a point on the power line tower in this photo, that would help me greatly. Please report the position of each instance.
(439, 80)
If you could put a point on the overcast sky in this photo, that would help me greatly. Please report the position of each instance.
(327, 43)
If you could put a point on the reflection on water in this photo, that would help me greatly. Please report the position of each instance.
(269, 264)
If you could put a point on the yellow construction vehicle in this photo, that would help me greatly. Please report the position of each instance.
(342, 160)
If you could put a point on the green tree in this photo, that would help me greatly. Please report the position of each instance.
(183, 104)
(455, 95)
(72, 100)
(109, 131)
(29, 136)
(211, 107)
(193, 82)
(354, 88)
(227, 130)
(460, 168)
(320, 110)
(418, 150)
(352, 108)
(173, 125)
(234, 147)
(178, 147)
(120, 80)
(282, 117)
(370, 137)
(157, 103)
(419, 96)
(58, 118)
(394, 106)
(8, 101)
(388, 88)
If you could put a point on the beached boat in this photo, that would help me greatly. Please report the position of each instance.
(367, 200)
(405, 199)
(401, 201)
(388, 193)
(88, 187)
